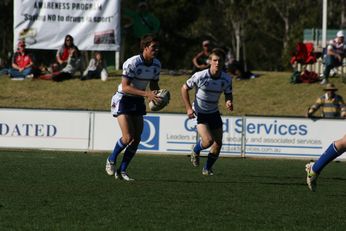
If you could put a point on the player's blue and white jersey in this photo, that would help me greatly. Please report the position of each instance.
(140, 73)
(208, 90)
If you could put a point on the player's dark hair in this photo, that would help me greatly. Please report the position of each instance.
(218, 52)
(147, 39)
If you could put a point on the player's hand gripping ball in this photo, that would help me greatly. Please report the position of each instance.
(165, 96)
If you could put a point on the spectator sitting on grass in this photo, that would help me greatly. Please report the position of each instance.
(96, 69)
(236, 68)
(69, 60)
(21, 63)
(3, 68)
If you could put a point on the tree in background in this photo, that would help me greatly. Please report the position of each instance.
(6, 25)
(225, 23)
(178, 45)
(266, 31)
(280, 25)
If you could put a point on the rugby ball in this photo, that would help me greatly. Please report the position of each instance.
(165, 97)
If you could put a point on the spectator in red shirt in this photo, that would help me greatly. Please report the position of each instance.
(21, 63)
(65, 50)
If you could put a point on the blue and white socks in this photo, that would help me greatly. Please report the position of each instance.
(210, 161)
(198, 147)
(330, 154)
(117, 149)
(128, 155)
(211, 158)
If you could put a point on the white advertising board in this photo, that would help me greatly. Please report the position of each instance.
(290, 137)
(168, 133)
(44, 129)
(94, 24)
(105, 131)
(162, 133)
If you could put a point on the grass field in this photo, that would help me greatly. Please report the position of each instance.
(270, 94)
(46, 190)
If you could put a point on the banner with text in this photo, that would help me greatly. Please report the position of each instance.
(290, 137)
(168, 133)
(94, 24)
(39, 129)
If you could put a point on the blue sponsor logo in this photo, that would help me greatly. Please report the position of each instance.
(270, 127)
(273, 127)
(150, 134)
(190, 124)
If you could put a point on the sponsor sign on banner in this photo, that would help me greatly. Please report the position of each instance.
(44, 129)
(179, 134)
(168, 133)
(162, 133)
(290, 137)
(94, 24)
(150, 138)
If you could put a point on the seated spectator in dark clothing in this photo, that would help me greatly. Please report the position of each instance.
(200, 61)
(69, 60)
(236, 68)
(21, 63)
(97, 68)
(3, 67)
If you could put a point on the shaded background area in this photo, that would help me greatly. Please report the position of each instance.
(267, 31)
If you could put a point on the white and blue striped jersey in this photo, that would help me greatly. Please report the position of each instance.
(208, 90)
(139, 73)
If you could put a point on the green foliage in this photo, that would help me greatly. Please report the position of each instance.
(71, 191)
(268, 30)
(6, 25)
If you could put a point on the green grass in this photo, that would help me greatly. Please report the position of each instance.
(44, 190)
(270, 94)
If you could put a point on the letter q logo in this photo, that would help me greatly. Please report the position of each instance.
(190, 124)
(150, 134)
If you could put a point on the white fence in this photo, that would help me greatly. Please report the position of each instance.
(167, 133)
(318, 67)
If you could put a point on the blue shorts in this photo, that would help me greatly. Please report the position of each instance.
(213, 120)
(128, 105)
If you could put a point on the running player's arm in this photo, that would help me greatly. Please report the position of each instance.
(229, 95)
(186, 99)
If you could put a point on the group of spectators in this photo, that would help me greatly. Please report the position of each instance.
(68, 61)
(330, 104)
